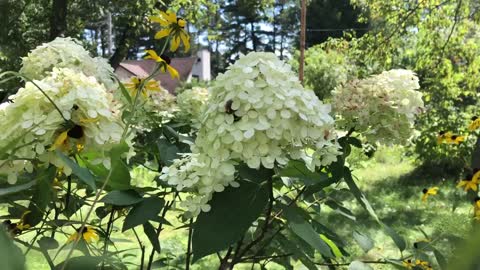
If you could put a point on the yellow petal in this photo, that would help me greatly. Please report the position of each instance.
(174, 44)
(171, 17)
(151, 54)
(476, 177)
(72, 238)
(173, 72)
(163, 33)
(157, 19)
(186, 41)
(59, 141)
(433, 191)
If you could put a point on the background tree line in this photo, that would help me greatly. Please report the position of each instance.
(226, 27)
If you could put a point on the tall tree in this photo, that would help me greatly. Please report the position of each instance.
(331, 18)
(58, 18)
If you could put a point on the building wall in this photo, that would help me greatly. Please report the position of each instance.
(201, 68)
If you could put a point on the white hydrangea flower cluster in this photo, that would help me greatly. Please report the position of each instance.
(93, 121)
(382, 107)
(66, 53)
(257, 113)
(191, 104)
(161, 102)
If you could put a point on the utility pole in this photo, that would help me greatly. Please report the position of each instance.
(303, 26)
(109, 34)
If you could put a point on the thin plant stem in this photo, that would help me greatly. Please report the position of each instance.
(142, 248)
(107, 235)
(159, 229)
(189, 245)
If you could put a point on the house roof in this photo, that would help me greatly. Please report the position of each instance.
(142, 68)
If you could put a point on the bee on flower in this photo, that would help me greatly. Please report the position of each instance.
(88, 234)
(70, 140)
(429, 192)
(163, 61)
(475, 124)
(174, 27)
(134, 85)
(471, 182)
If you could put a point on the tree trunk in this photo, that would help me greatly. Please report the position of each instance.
(254, 40)
(58, 19)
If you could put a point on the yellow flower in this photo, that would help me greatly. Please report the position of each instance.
(135, 83)
(423, 264)
(476, 209)
(427, 192)
(62, 141)
(164, 62)
(449, 137)
(475, 124)
(408, 264)
(21, 225)
(89, 235)
(172, 26)
(456, 139)
(471, 183)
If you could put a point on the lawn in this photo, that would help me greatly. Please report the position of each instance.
(392, 184)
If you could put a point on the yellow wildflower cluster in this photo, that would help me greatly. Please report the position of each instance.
(417, 264)
(173, 27)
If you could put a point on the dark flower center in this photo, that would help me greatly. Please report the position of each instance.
(76, 132)
(166, 58)
(425, 191)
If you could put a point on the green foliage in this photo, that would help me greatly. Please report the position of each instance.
(305, 231)
(146, 210)
(11, 255)
(438, 41)
(325, 69)
(122, 198)
(229, 219)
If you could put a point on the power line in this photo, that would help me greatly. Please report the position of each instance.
(334, 29)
